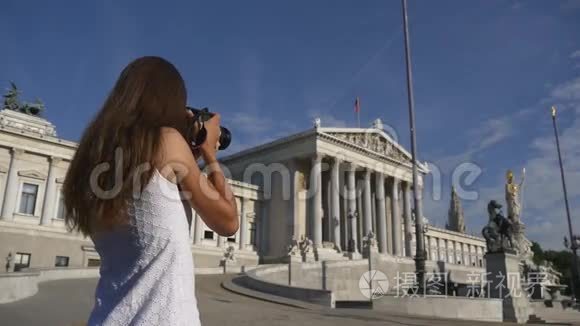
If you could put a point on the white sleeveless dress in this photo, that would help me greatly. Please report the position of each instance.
(147, 271)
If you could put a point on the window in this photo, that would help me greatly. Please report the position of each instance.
(60, 213)
(28, 198)
(61, 261)
(93, 262)
(232, 240)
(208, 235)
(21, 260)
(252, 233)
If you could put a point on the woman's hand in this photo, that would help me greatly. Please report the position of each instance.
(211, 143)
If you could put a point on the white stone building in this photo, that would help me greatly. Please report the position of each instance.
(33, 164)
(314, 180)
(305, 184)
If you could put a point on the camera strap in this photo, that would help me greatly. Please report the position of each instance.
(201, 135)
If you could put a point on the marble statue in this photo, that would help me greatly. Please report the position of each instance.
(316, 123)
(305, 246)
(512, 196)
(498, 233)
(370, 240)
(9, 261)
(229, 256)
(293, 247)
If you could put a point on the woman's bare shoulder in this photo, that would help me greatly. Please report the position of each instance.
(173, 148)
(172, 140)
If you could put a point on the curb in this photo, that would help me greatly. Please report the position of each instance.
(229, 285)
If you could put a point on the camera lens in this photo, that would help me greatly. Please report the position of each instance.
(225, 138)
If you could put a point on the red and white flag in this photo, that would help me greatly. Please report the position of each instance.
(357, 105)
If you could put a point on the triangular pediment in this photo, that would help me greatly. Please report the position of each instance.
(32, 174)
(373, 140)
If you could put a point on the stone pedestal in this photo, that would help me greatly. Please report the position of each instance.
(374, 251)
(294, 265)
(353, 255)
(504, 282)
(228, 265)
(308, 257)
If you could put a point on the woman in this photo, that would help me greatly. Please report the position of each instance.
(122, 190)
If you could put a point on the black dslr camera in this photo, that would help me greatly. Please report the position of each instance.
(200, 116)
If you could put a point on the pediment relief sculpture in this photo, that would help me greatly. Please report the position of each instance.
(375, 143)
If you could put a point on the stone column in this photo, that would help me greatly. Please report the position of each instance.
(197, 228)
(389, 214)
(470, 255)
(381, 213)
(244, 224)
(407, 218)
(220, 241)
(335, 201)
(397, 226)
(11, 190)
(368, 215)
(315, 185)
(352, 211)
(49, 193)
(428, 247)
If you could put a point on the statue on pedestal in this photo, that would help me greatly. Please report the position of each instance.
(293, 247)
(229, 256)
(499, 230)
(512, 196)
(305, 245)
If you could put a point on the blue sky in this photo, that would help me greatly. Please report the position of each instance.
(485, 74)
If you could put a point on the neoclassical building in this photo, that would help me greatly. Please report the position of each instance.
(332, 185)
(33, 164)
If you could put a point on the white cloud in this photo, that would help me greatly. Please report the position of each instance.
(575, 55)
(492, 132)
(251, 123)
(568, 91)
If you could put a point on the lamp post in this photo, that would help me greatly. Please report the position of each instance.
(573, 239)
(420, 244)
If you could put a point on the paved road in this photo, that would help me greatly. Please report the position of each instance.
(69, 302)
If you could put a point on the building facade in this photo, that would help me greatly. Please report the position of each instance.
(331, 185)
(33, 164)
(334, 186)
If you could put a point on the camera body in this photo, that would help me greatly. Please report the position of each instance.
(200, 116)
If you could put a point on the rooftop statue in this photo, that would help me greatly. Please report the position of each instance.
(12, 102)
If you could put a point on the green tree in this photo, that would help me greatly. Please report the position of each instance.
(539, 257)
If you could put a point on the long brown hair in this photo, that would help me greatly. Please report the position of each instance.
(149, 94)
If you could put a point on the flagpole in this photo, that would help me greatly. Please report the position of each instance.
(573, 245)
(420, 244)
